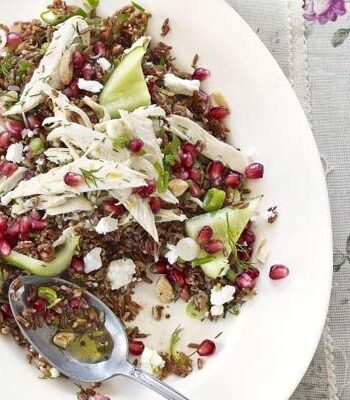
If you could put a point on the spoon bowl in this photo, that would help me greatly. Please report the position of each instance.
(116, 364)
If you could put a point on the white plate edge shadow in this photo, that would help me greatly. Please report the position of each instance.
(251, 37)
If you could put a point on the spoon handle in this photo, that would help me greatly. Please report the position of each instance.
(152, 383)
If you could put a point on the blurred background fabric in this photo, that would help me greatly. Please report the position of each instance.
(311, 42)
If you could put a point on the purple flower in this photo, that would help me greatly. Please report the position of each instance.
(332, 10)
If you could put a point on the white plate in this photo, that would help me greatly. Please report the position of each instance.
(262, 354)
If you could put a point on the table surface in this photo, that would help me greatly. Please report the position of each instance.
(320, 73)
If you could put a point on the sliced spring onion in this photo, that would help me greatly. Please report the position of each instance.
(213, 199)
(36, 145)
(137, 6)
(50, 17)
(121, 142)
(193, 312)
(47, 293)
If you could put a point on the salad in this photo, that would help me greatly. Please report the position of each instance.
(115, 170)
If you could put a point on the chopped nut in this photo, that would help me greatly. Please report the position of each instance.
(164, 290)
(157, 312)
(66, 67)
(62, 339)
(219, 99)
(178, 187)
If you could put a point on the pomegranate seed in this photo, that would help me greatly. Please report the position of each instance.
(7, 168)
(215, 169)
(218, 113)
(3, 224)
(78, 59)
(160, 267)
(39, 305)
(13, 40)
(5, 248)
(245, 281)
(77, 264)
(278, 271)
(110, 207)
(13, 229)
(155, 204)
(5, 138)
(195, 174)
(34, 121)
(73, 179)
(15, 128)
(136, 347)
(25, 225)
(38, 225)
(248, 237)
(152, 87)
(195, 190)
(200, 74)
(213, 246)
(135, 145)
(6, 310)
(100, 49)
(23, 237)
(254, 171)
(189, 148)
(182, 174)
(206, 348)
(253, 273)
(88, 72)
(146, 191)
(75, 303)
(205, 234)
(233, 179)
(245, 253)
(186, 160)
(72, 91)
(177, 276)
(35, 215)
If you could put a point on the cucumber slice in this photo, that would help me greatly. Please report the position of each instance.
(46, 269)
(126, 89)
(228, 225)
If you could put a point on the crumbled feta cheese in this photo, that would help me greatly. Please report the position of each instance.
(92, 260)
(171, 255)
(15, 153)
(27, 133)
(222, 295)
(106, 225)
(120, 272)
(54, 372)
(187, 249)
(181, 86)
(104, 64)
(216, 311)
(151, 361)
(90, 86)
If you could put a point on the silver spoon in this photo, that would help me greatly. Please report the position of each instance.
(116, 364)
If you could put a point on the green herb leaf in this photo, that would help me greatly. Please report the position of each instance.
(6, 65)
(90, 176)
(174, 340)
(137, 6)
(166, 92)
(163, 178)
(121, 142)
(122, 17)
(23, 67)
(171, 151)
(339, 37)
(214, 199)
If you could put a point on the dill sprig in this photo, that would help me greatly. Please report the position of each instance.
(90, 176)
(174, 340)
(6, 65)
